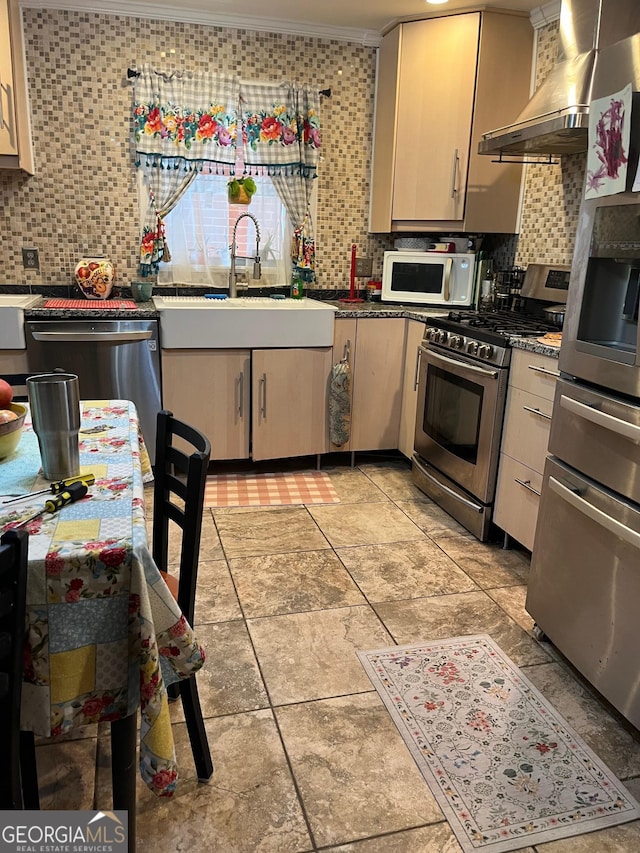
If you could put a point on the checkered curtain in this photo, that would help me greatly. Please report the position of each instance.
(281, 136)
(185, 123)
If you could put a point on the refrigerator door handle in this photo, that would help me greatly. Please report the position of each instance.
(616, 425)
(611, 524)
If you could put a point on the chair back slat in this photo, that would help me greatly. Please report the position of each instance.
(182, 475)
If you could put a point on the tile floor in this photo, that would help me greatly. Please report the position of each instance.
(306, 756)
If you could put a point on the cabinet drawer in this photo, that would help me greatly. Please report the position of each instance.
(534, 373)
(527, 425)
(517, 500)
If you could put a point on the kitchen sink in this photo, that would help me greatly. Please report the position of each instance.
(195, 322)
(12, 318)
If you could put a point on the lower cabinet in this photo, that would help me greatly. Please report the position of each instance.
(375, 348)
(525, 437)
(263, 404)
(13, 361)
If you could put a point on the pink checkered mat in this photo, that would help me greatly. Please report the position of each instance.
(313, 487)
(89, 303)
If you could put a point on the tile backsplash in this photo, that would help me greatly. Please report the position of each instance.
(552, 193)
(83, 198)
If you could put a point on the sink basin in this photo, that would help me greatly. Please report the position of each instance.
(12, 318)
(195, 322)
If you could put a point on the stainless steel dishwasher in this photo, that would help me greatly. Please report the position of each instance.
(113, 359)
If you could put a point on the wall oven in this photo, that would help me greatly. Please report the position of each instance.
(584, 585)
(600, 335)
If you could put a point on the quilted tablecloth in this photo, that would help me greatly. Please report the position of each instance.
(104, 634)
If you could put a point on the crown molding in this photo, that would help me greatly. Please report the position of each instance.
(543, 15)
(137, 9)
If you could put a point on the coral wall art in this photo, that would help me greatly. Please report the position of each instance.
(609, 129)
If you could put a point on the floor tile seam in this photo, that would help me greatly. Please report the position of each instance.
(366, 605)
(327, 848)
(271, 708)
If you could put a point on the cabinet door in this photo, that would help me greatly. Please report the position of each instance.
(415, 334)
(16, 150)
(210, 390)
(435, 109)
(344, 345)
(377, 384)
(8, 137)
(289, 410)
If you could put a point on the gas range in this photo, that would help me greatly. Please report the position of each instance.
(484, 334)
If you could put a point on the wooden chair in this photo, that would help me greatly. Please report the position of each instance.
(180, 476)
(18, 779)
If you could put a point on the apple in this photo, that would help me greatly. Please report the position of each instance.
(6, 394)
(7, 415)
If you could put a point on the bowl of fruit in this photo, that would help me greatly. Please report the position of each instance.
(12, 417)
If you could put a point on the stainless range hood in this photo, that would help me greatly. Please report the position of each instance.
(556, 119)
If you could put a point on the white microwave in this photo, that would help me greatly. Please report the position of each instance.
(440, 279)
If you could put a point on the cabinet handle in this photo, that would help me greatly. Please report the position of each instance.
(263, 392)
(415, 378)
(527, 485)
(346, 353)
(554, 373)
(2, 121)
(454, 173)
(241, 395)
(537, 412)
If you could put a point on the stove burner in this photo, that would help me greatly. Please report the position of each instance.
(501, 322)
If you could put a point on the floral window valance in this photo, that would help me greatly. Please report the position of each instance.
(185, 120)
(187, 123)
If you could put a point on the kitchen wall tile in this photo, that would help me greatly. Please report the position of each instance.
(552, 194)
(83, 198)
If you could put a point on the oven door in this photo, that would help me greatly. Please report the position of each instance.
(459, 419)
(584, 584)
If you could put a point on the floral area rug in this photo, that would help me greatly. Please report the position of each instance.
(506, 769)
(313, 487)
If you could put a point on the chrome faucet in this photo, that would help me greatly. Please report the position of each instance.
(257, 270)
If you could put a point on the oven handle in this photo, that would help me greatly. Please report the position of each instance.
(458, 497)
(616, 425)
(74, 337)
(592, 512)
(492, 374)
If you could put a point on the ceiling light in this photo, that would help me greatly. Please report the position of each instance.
(436, 2)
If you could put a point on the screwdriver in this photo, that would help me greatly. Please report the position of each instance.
(56, 488)
(74, 493)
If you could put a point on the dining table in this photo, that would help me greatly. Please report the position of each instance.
(104, 635)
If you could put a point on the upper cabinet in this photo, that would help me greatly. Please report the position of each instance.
(442, 82)
(16, 150)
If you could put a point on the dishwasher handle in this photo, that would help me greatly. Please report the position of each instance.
(75, 337)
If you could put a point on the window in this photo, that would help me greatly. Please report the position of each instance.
(199, 232)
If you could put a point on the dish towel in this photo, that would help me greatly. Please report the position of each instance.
(340, 403)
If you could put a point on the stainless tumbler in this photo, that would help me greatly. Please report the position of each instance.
(55, 412)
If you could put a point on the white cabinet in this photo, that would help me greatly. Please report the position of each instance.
(266, 404)
(16, 150)
(376, 352)
(442, 83)
(415, 334)
(525, 437)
